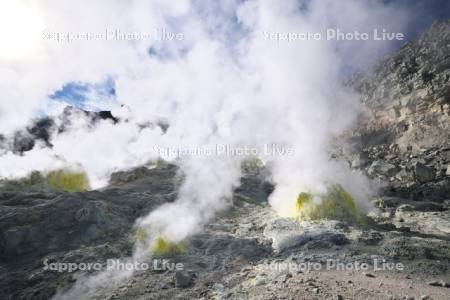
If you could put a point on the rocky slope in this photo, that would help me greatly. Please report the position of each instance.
(401, 251)
(403, 136)
(42, 130)
(407, 96)
(40, 224)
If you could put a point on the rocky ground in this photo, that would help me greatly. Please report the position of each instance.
(39, 224)
(401, 251)
(248, 252)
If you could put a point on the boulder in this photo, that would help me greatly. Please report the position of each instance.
(381, 167)
(424, 173)
(183, 279)
(359, 160)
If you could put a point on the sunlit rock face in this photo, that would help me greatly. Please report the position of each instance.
(407, 96)
(403, 136)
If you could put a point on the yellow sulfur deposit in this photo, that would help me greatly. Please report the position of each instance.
(336, 204)
(68, 181)
(163, 246)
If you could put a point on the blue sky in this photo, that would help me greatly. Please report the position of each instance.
(77, 93)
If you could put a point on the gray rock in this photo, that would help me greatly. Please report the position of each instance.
(260, 280)
(424, 173)
(404, 175)
(416, 248)
(289, 235)
(370, 237)
(93, 212)
(183, 279)
(440, 283)
(404, 208)
(401, 213)
(381, 167)
(123, 177)
(14, 237)
(359, 161)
